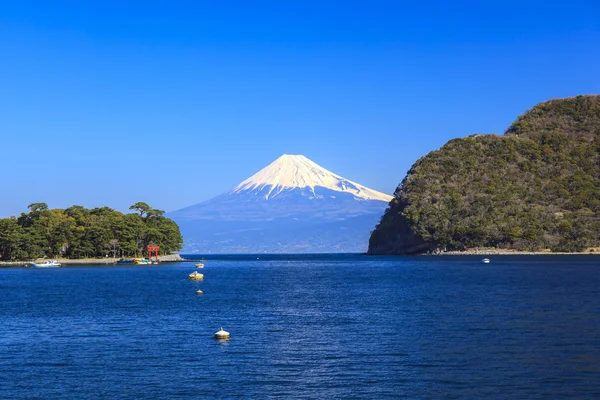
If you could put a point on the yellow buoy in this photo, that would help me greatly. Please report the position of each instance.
(222, 335)
(195, 276)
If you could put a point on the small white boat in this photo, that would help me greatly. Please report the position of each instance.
(47, 264)
(199, 265)
(485, 261)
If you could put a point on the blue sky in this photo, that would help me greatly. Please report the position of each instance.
(175, 102)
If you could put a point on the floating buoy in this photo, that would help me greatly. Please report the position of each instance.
(199, 291)
(222, 335)
(195, 276)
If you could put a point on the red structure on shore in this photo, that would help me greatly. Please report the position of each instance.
(153, 250)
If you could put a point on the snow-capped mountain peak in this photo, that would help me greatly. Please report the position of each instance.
(297, 171)
(291, 206)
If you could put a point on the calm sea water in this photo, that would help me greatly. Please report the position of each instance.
(305, 327)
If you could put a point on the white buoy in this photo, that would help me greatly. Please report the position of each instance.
(222, 335)
(199, 291)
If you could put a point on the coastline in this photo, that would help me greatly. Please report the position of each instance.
(171, 258)
(174, 258)
(501, 252)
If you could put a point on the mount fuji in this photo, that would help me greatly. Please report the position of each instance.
(291, 206)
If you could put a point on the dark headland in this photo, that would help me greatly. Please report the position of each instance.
(534, 189)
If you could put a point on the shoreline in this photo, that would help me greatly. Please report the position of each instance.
(171, 258)
(486, 251)
(499, 252)
(174, 258)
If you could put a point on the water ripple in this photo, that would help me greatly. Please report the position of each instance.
(329, 327)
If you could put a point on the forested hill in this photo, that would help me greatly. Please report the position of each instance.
(537, 187)
(575, 117)
(77, 232)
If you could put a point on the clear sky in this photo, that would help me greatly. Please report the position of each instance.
(174, 102)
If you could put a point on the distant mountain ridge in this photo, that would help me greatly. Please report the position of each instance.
(292, 205)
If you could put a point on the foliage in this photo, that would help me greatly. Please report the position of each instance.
(536, 188)
(77, 232)
(574, 116)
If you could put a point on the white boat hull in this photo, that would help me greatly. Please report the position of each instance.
(46, 265)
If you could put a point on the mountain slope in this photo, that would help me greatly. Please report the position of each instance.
(292, 205)
(537, 187)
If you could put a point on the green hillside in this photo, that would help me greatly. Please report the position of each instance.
(537, 187)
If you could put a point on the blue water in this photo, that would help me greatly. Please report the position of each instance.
(305, 327)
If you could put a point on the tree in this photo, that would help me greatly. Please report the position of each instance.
(114, 244)
(11, 235)
(37, 207)
(141, 207)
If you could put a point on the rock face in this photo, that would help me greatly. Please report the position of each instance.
(398, 238)
(537, 187)
(170, 258)
(291, 206)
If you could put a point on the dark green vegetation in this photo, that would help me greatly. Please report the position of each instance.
(537, 187)
(77, 232)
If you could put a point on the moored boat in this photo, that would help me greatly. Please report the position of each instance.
(47, 264)
(485, 261)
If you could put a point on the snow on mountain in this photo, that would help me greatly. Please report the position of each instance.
(298, 172)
